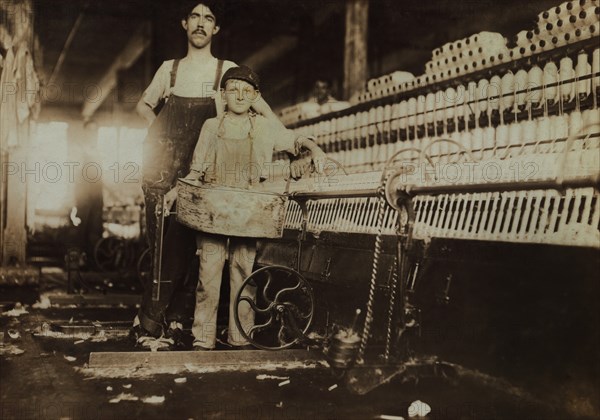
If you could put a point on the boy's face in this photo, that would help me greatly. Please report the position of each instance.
(239, 96)
(200, 26)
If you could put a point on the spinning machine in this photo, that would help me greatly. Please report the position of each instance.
(467, 231)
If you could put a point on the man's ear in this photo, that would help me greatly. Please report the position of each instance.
(184, 24)
(216, 29)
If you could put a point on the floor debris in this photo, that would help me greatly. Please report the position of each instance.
(123, 397)
(180, 380)
(11, 350)
(109, 388)
(70, 358)
(155, 399)
(279, 404)
(332, 387)
(14, 334)
(43, 303)
(155, 344)
(418, 408)
(17, 311)
(388, 417)
(284, 383)
(262, 377)
(127, 386)
(79, 342)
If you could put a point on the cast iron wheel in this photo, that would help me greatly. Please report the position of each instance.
(113, 254)
(283, 307)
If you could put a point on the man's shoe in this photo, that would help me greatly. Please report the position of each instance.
(136, 333)
(176, 334)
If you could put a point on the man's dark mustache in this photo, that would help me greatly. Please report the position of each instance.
(199, 31)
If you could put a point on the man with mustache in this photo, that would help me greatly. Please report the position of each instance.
(187, 87)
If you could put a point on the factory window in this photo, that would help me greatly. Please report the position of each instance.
(120, 153)
(47, 173)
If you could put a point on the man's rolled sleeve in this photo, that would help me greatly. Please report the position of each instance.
(158, 87)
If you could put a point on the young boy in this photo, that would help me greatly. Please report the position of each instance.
(235, 150)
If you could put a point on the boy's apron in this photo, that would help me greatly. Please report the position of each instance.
(168, 151)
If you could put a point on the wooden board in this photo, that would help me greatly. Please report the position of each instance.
(226, 358)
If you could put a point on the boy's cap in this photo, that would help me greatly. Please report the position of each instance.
(244, 73)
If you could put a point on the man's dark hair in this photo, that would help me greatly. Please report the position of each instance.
(215, 6)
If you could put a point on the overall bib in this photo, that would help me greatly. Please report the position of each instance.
(168, 152)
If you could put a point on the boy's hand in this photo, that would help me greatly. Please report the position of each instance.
(193, 175)
(299, 167)
(169, 199)
(319, 159)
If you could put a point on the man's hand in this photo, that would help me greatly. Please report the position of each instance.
(169, 199)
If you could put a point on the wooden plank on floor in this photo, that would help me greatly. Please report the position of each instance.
(242, 358)
(94, 299)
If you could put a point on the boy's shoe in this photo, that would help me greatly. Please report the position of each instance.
(196, 346)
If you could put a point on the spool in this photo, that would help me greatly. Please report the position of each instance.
(558, 27)
(481, 92)
(494, 92)
(403, 114)
(470, 105)
(550, 79)
(543, 133)
(591, 120)
(535, 78)
(567, 72)
(395, 122)
(589, 15)
(465, 139)
(502, 139)
(521, 84)
(521, 39)
(461, 93)
(582, 69)
(560, 130)
(477, 140)
(529, 131)
(429, 107)
(515, 134)
(543, 17)
(543, 129)
(489, 142)
(508, 88)
(412, 110)
(420, 120)
(448, 103)
(575, 128)
(559, 126)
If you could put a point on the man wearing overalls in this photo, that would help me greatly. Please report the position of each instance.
(187, 86)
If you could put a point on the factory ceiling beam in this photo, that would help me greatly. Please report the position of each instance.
(136, 45)
(282, 44)
(355, 50)
(272, 51)
(63, 53)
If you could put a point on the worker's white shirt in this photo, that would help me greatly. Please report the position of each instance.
(191, 82)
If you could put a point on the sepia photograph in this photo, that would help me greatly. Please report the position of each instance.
(299, 209)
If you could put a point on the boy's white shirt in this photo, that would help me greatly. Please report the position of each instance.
(268, 137)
